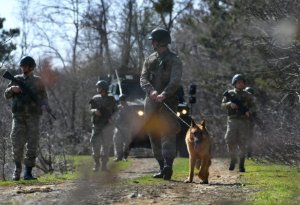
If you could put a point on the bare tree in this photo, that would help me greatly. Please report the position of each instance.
(67, 13)
(96, 19)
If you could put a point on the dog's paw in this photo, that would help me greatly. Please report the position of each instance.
(188, 180)
(204, 182)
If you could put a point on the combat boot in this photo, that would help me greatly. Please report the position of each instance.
(17, 172)
(96, 164)
(242, 164)
(28, 174)
(126, 154)
(161, 167)
(232, 163)
(167, 171)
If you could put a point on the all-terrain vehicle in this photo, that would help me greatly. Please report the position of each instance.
(130, 86)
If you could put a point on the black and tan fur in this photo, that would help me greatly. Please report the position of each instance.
(199, 147)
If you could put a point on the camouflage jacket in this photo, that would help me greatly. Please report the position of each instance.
(22, 103)
(161, 73)
(244, 97)
(106, 105)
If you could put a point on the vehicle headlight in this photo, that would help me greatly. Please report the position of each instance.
(140, 113)
(184, 111)
(178, 114)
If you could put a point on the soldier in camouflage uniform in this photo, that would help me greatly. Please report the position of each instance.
(237, 122)
(26, 117)
(123, 130)
(102, 107)
(160, 79)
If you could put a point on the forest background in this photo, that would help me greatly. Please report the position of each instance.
(77, 42)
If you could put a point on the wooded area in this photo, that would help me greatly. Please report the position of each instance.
(77, 42)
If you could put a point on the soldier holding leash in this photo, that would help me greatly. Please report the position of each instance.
(160, 79)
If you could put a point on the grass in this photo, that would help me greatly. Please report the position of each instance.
(79, 166)
(277, 184)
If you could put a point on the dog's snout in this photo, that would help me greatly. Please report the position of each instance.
(197, 137)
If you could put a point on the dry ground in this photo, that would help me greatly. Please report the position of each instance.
(224, 188)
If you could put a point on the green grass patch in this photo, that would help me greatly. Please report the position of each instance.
(78, 166)
(277, 184)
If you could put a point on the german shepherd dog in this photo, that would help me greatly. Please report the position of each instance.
(199, 147)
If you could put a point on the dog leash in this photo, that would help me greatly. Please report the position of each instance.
(172, 111)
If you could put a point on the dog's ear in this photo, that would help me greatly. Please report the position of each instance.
(193, 124)
(203, 123)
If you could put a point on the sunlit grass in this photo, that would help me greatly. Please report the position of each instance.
(277, 184)
(78, 166)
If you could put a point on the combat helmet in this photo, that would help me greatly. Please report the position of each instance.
(160, 35)
(250, 90)
(237, 77)
(28, 61)
(102, 84)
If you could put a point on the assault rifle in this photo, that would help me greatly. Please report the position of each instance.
(28, 91)
(243, 109)
(105, 115)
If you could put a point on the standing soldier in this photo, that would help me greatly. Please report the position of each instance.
(26, 117)
(102, 107)
(160, 79)
(123, 130)
(240, 106)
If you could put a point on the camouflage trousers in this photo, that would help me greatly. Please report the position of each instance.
(122, 140)
(25, 134)
(237, 136)
(101, 141)
(162, 127)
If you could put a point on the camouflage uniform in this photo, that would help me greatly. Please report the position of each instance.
(123, 132)
(163, 74)
(26, 117)
(238, 124)
(102, 132)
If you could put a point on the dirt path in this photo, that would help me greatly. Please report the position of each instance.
(224, 188)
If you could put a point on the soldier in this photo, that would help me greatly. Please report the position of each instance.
(238, 122)
(102, 107)
(26, 117)
(160, 79)
(123, 130)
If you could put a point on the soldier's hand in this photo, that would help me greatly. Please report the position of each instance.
(153, 95)
(96, 112)
(16, 89)
(160, 98)
(234, 106)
